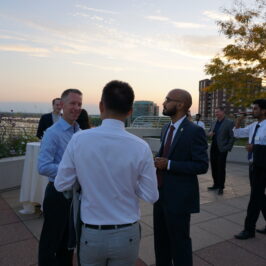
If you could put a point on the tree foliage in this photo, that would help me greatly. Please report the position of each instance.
(241, 66)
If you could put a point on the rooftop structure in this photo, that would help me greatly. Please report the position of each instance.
(150, 121)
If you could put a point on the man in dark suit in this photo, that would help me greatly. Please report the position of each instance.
(222, 135)
(49, 119)
(182, 156)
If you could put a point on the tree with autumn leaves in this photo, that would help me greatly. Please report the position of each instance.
(241, 67)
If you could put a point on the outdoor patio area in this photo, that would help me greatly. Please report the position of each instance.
(212, 230)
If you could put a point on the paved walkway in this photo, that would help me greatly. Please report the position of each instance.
(212, 230)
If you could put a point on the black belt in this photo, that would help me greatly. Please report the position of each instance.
(107, 226)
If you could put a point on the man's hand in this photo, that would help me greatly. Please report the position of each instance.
(249, 147)
(210, 134)
(239, 120)
(161, 163)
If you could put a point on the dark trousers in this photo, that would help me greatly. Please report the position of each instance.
(53, 249)
(257, 201)
(218, 165)
(171, 237)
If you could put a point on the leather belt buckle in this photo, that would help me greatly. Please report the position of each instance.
(107, 226)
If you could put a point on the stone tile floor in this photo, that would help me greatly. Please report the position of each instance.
(212, 230)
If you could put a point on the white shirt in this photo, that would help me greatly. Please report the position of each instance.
(247, 132)
(200, 124)
(114, 169)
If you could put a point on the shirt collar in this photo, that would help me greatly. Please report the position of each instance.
(65, 125)
(108, 122)
(178, 122)
(262, 122)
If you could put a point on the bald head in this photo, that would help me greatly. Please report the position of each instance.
(183, 96)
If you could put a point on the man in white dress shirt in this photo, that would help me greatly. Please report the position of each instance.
(198, 122)
(114, 168)
(256, 133)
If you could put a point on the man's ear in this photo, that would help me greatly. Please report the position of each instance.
(101, 107)
(180, 105)
(61, 104)
(130, 112)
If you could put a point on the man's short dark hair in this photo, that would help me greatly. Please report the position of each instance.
(68, 91)
(118, 96)
(199, 115)
(55, 99)
(261, 103)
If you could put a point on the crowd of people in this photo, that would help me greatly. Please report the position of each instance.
(97, 176)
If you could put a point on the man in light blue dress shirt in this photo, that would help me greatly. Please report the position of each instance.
(53, 249)
(256, 132)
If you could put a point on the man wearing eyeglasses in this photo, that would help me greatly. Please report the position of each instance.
(182, 156)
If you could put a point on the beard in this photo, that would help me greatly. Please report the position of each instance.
(169, 112)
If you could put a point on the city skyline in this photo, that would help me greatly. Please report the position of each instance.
(47, 47)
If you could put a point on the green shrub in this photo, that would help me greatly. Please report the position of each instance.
(13, 140)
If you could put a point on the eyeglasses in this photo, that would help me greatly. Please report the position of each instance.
(168, 100)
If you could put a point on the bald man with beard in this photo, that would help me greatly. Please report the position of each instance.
(182, 156)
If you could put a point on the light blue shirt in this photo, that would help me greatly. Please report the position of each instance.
(53, 145)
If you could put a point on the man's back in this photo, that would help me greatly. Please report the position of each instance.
(114, 168)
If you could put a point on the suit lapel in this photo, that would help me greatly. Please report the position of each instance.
(165, 129)
(180, 131)
(221, 127)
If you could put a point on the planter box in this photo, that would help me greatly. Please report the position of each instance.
(11, 169)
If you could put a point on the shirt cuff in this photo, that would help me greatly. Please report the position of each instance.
(168, 165)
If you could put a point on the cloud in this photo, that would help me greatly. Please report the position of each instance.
(113, 43)
(109, 68)
(9, 37)
(177, 24)
(104, 11)
(157, 18)
(34, 51)
(79, 14)
(187, 25)
(215, 15)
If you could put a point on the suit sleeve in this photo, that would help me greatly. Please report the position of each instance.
(198, 161)
(40, 128)
(231, 139)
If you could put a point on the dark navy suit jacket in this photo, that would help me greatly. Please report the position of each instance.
(45, 122)
(188, 155)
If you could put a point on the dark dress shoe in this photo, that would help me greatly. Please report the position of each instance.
(262, 231)
(213, 187)
(245, 235)
(220, 191)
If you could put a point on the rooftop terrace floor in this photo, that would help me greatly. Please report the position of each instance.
(212, 230)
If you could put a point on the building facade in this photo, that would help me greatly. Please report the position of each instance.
(208, 101)
(144, 108)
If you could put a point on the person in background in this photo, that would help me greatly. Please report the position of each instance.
(198, 122)
(182, 156)
(114, 168)
(222, 135)
(49, 119)
(256, 133)
(83, 120)
(53, 245)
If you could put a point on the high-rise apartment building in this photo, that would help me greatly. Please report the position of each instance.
(208, 101)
